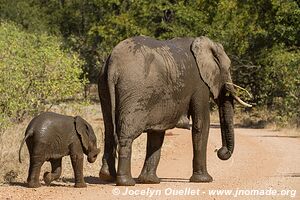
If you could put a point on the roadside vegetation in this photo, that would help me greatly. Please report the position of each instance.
(35, 73)
(47, 48)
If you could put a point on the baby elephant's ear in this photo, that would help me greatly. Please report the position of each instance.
(81, 128)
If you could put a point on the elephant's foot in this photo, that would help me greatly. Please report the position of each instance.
(205, 177)
(148, 179)
(105, 175)
(32, 184)
(125, 181)
(47, 178)
(80, 185)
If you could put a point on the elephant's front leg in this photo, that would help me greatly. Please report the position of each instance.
(77, 164)
(200, 132)
(154, 143)
(124, 177)
(55, 173)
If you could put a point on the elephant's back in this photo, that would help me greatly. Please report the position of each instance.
(133, 44)
(144, 44)
(142, 59)
(146, 64)
(47, 124)
(53, 132)
(51, 117)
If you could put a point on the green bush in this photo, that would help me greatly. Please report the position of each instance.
(281, 83)
(34, 71)
(261, 37)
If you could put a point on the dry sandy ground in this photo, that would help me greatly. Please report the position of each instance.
(265, 165)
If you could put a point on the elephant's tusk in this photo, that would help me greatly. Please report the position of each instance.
(250, 95)
(241, 101)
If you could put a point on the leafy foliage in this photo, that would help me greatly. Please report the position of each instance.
(261, 37)
(34, 71)
(282, 83)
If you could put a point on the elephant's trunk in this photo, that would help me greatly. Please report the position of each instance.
(225, 103)
(92, 156)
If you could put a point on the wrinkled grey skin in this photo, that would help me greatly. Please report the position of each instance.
(150, 86)
(51, 136)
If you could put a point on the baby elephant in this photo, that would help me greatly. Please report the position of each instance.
(49, 137)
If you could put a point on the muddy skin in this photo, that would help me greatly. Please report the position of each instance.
(183, 122)
(149, 86)
(51, 136)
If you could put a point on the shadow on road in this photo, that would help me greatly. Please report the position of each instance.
(66, 182)
(295, 175)
(22, 184)
(174, 180)
(96, 180)
(281, 136)
(90, 180)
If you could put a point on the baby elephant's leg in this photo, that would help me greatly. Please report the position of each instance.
(55, 173)
(34, 172)
(77, 163)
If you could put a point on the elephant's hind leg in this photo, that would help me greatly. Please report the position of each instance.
(124, 177)
(131, 127)
(34, 172)
(108, 169)
(154, 143)
(55, 173)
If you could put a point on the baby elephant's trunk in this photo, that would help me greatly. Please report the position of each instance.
(92, 156)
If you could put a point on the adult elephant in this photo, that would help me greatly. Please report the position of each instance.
(149, 86)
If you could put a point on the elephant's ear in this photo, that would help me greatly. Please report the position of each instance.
(212, 62)
(81, 128)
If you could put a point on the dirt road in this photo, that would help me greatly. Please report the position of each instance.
(265, 165)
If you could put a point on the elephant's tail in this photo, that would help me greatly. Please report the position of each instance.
(111, 87)
(27, 135)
